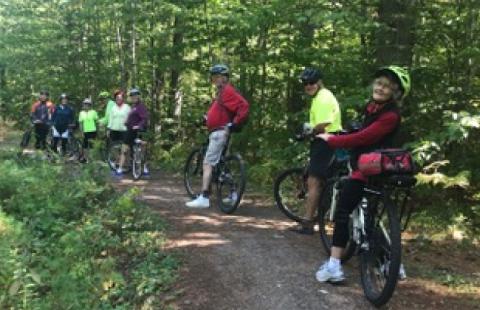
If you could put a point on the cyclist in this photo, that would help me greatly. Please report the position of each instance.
(228, 111)
(62, 118)
(325, 116)
(40, 115)
(88, 118)
(381, 120)
(105, 101)
(117, 116)
(136, 122)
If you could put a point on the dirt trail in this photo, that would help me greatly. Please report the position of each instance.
(251, 261)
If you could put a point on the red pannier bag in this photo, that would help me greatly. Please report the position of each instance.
(386, 162)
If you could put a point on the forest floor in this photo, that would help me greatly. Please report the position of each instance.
(250, 260)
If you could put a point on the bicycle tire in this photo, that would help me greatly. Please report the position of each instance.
(378, 246)
(137, 162)
(114, 151)
(293, 207)
(26, 138)
(229, 184)
(326, 226)
(74, 148)
(193, 173)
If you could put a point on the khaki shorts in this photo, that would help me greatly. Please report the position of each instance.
(216, 142)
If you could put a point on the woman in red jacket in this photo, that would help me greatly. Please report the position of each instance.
(381, 121)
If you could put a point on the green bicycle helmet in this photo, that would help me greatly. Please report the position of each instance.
(400, 75)
(104, 94)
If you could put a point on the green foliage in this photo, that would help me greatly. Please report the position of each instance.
(165, 48)
(68, 240)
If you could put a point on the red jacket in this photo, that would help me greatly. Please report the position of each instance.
(228, 106)
(384, 125)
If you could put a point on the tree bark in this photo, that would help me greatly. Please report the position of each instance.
(395, 37)
(177, 56)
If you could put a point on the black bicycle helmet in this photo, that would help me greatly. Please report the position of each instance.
(87, 101)
(219, 69)
(134, 92)
(310, 75)
(44, 92)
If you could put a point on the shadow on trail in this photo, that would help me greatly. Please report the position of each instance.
(250, 260)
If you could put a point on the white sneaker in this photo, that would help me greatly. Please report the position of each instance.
(326, 274)
(200, 202)
(402, 274)
(231, 198)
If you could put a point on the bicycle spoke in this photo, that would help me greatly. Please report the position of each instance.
(231, 183)
(193, 173)
(380, 264)
(290, 190)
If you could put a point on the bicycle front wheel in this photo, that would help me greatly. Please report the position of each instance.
(137, 162)
(74, 148)
(113, 157)
(193, 173)
(26, 138)
(231, 183)
(380, 262)
(326, 220)
(290, 191)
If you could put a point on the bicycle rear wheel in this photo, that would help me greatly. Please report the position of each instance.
(231, 183)
(193, 173)
(137, 162)
(380, 263)
(290, 191)
(326, 221)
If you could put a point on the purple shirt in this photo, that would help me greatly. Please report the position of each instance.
(138, 116)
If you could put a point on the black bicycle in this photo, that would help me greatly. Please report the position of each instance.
(73, 150)
(290, 189)
(114, 151)
(375, 230)
(228, 175)
(135, 158)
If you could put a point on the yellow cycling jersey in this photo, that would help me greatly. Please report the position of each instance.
(325, 109)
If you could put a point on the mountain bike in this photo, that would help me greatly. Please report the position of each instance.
(114, 150)
(139, 157)
(46, 151)
(135, 157)
(228, 175)
(74, 148)
(375, 230)
(290, 189)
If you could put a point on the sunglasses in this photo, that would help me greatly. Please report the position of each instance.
(305, 83)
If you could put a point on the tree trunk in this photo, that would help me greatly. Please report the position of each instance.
(177, 56)
(134, 45)
(395, 36)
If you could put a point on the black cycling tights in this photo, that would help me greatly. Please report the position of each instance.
(350, 197)
(64, 145)
(41, 132)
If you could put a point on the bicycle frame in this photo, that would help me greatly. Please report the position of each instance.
(359, 213)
